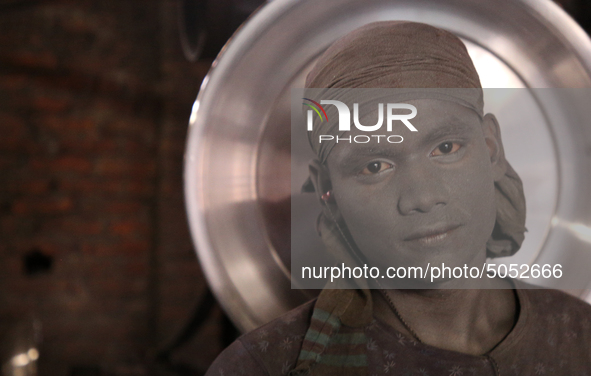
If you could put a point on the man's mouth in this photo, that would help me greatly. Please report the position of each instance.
(433, 235)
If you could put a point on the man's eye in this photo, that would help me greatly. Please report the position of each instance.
(447, 147)
(375, 167)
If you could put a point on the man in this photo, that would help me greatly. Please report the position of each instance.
(445, 194)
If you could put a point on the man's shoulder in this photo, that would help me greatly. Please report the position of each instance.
(557, 329)
(555, 299)
(284, 333)
(556, 310)
(271, 349)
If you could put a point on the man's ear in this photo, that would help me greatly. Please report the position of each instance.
(494, 144)
(320, 179)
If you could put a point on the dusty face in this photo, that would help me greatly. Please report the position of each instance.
(429, 199)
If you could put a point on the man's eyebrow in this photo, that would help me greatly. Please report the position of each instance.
(453, 128)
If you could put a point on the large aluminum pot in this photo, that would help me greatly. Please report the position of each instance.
(238, 162)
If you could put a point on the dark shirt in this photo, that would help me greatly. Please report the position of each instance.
(552, 336)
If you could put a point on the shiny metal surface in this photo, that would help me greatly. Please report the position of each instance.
(238, 162)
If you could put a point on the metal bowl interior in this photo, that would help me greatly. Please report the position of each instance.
(239, 158)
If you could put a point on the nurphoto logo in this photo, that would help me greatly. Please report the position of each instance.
(344, 118)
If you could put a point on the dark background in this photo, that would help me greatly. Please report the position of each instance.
(95, 97)
(94, 104)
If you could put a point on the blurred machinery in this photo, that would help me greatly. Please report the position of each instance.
(240, 161)
(206, 25)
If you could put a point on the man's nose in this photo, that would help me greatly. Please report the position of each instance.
(422, 190)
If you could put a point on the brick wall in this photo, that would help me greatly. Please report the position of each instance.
(94, 102)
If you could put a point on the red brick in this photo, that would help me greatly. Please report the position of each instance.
(127, 228)
(98, 249)
(6, 163)
(12, 144)
(117, 286)
(67, 124)
(30, 186)
(32, 205)
(178, 291)
(88, 64)
(110, 166)
(34, 59)
(87, 142)
(139, 129)
(79, 24)
(11, 268)
(113, 186)
(12, 82)
(93, 186)
(136, 268)
(22, 245)
(124, 249)
(133, 146)
(141, 188)
(76, 164)
(181, 270)
(137, 247)
(62, 164)
(12, 125)
(86, 227)
(123, 166)
(74, 226)
(50, 104)
(78, 185)
(115, 208)
(107, 269)
(124, 207)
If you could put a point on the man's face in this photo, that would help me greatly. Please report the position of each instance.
(428, 199)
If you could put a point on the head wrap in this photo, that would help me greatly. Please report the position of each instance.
(426, 62)
(407, 56)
